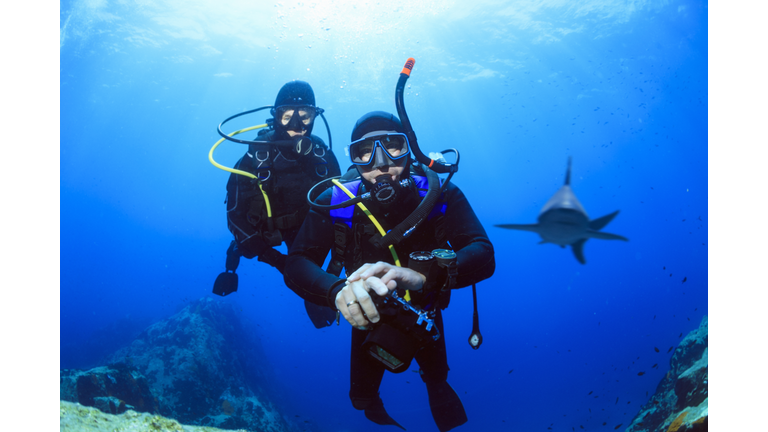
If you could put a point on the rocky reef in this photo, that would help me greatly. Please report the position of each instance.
(680, 403)
(74, 417)
(199, 367)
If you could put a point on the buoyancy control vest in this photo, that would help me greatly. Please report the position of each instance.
(352, 229)
(285, 179)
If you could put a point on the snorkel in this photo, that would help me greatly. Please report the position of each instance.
(440, 167)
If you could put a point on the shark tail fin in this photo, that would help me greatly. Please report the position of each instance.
(600, 223)
(578, 250)
(568, 172)
(521, 227)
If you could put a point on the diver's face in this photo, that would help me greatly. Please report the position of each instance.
(378, 168)
(305, 116)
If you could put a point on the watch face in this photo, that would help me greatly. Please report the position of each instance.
(444, 253)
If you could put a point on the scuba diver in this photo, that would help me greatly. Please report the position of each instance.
(267, 207)
(395, 311)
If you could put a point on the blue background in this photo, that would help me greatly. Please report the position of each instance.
(516, 86)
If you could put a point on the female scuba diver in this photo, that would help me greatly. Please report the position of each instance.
(265, 192)
(394, 310)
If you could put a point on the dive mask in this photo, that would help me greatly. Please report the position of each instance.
(296, 117)
(365, 151)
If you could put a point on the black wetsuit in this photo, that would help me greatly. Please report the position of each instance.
(461, 228)
(285, 178)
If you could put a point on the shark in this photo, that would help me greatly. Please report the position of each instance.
(563, 221)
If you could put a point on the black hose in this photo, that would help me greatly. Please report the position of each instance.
(285, 143)
(475, 339)
(406, 227)
(315, 205)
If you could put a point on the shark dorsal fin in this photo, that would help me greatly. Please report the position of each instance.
(568, 173)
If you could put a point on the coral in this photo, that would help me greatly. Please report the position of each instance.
(677, 422)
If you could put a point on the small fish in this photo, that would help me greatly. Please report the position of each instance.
(655, 365)
(581, 426)
(604, 423)
(670, 349)
(684, 279)
(670, 275)
(617, 401)
(510, 371)
(699, 217)
(655, 349)
(590, 393)
(654, 317)
(664, 268)
(618, 425)
(640, 373)
(680, 335)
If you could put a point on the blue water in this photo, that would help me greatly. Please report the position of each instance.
(517, 87)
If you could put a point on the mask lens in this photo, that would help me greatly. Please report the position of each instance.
(285, 116)
(361, 151)
(395, 145)
(306, 115)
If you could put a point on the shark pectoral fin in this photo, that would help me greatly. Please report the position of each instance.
(578, 250)
(521, 227)
(599, 223)
(605, 236)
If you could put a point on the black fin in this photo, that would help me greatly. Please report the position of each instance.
(578, 250)
(446, 407)
(321, 316)
(377, 414)
(600, 223)
(225, 284)
(568, 173)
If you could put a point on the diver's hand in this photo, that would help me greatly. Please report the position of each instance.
(392, 276)
(354, 302)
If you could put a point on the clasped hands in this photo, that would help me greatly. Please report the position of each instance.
(354, 301)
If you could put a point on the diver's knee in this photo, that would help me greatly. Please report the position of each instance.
(362, 402)
(434, 377)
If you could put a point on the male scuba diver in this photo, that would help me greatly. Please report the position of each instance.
(395, 311)
(287, 160)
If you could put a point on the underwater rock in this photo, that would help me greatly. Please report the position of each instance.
(199, 366)
(681, 402)
(112, 389)
(74, 417)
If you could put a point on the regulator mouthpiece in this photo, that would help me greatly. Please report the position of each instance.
(385, 190)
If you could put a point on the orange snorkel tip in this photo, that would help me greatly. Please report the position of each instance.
(408, 66)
